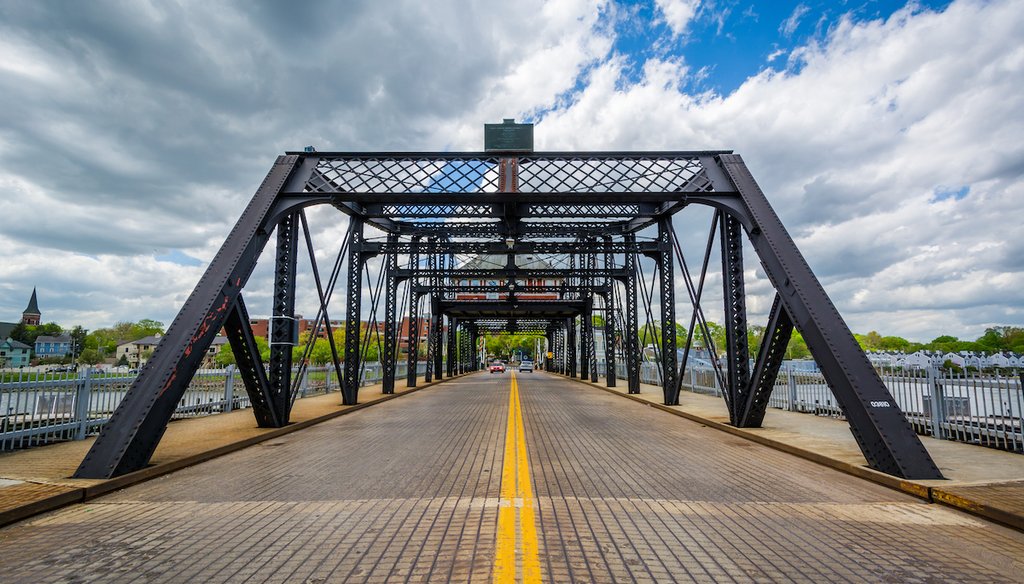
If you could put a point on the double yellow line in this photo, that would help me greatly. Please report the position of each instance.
(516, 493)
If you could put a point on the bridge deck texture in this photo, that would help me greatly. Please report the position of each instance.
(412, 490)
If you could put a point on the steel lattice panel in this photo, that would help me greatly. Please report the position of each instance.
(577, 174)
(400, 174)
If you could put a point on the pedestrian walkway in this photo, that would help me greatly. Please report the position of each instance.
(984, 481)
(39, 479)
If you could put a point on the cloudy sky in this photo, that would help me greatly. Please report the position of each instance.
(887, 135)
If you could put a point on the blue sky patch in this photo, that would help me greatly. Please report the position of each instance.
(730, 41)
(943, 193)
(176, 256)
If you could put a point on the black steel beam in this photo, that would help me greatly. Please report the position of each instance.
(250, 364)
(666, 279)
(283, 326)
(413, 337)
(735, 298)
(129, 438)
(390, 356)
(630, 342)
(885, 437)
(353, 312)
(766, 369)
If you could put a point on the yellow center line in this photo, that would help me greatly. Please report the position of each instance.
(516, 487)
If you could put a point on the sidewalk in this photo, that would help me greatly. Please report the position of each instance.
(983, 481)
(37, 480)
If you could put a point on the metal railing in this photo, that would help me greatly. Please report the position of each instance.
(39, 408)
(987, 410)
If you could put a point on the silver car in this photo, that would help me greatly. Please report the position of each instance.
(526, 366)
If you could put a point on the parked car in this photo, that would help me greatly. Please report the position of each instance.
(526, 366)
(497, 367)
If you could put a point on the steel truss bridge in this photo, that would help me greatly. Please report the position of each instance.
(592, 215)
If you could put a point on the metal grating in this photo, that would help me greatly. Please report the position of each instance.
(656, 173)
(607, 174)
(398, 174)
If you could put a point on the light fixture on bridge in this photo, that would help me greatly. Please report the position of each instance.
(510, 242)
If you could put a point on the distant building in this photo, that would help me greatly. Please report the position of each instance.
(218, 344)
(53, 347)
(30, 316)
(14, 354)
(261, 326)
(134, 351)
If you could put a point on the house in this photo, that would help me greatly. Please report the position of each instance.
(919, 360)
(955, 358)
(53, 347)
(999, 360)
(137, 352)
(216, 346)
(14, 354)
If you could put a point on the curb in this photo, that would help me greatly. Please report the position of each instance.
(930, 494)
(83, 494)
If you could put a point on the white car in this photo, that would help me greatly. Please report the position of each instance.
(526, 366)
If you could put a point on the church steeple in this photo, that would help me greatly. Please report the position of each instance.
(31, 315)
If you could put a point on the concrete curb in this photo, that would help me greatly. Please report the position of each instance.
(83, 494)
(930, 494)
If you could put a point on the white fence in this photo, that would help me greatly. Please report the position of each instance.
(978, 409)
(39, 408)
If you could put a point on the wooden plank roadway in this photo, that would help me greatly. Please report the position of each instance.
(477, 480)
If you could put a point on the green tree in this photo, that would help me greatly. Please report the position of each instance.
(227, 357)
(78, 335)
(90, 357)
(797, 348)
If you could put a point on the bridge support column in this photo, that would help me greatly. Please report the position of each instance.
(609, 343)
(283, 329)
(453, 350)
(670, 389)
(585, 344)
(570, 325)
(437, 325)
(353, 310)
(737, 352)
(389, 358)
(609, 320)
(413, 338)
(629, 336)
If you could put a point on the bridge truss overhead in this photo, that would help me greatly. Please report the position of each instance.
(552, 244)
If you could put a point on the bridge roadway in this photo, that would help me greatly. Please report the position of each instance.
(488, 479)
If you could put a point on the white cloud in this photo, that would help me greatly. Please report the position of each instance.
(850, 147)
(111, 154)
(678, 14)
(788, 26)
